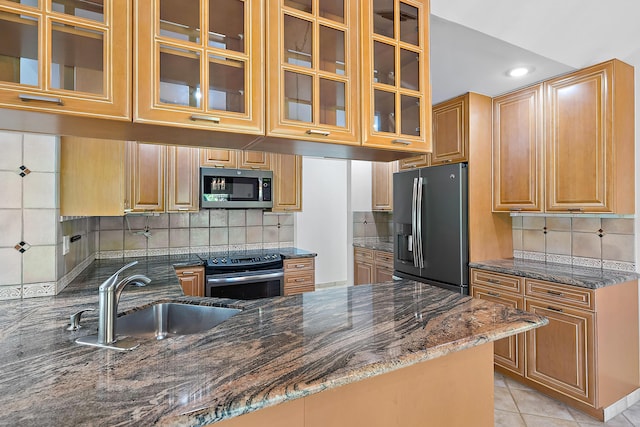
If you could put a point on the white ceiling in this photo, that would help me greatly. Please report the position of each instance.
(473, 42)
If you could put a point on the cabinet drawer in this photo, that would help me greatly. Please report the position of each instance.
(559, 293)
(384, 259)
(500, 281)
(298, 283)
(363, 254)
(298, 264)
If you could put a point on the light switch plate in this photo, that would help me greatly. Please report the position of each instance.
(66, 241)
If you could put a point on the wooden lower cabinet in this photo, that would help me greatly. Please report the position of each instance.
(587, 356)
(191, 280)
(371, 266)
(299, 276)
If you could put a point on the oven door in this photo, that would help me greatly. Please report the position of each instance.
(246, 285)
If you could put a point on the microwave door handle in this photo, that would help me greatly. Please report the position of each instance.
(414, 214)
(419, 223)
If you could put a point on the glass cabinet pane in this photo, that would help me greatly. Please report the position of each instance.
(179, 77)
(298, 93)
(332, 103)
(410, 69)
(303, 5)
(384, 111)
(226, 24)
(332, 9)
(93, 9)
(410, 115)
(298, 41)
(18, 49)
(226, 84)
(383, 17)
(32, 3)
(332, 50)
(77, 59)
(180, 20)
(384, 60)
(409, 24)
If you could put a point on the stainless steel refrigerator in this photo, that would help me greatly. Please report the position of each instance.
(430, 226)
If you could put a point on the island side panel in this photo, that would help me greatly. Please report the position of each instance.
(452, 390)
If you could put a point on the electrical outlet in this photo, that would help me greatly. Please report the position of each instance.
(66, 241)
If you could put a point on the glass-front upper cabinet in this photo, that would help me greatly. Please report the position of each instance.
(395, 64)
(199, 64)
(69, 56)
(312, 70)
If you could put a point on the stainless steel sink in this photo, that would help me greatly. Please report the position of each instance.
(164, 320)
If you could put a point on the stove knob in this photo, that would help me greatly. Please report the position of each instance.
(215, 260)
(224, 260)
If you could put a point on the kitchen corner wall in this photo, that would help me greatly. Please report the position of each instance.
(209, 230)
(599, 242)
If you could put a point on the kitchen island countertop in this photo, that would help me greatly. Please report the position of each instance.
(277, 349)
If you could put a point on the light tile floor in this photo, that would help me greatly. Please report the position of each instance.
(517, 405)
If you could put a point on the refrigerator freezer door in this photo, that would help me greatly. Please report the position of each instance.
(405, 225)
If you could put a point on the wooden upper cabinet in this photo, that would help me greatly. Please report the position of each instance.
(199, 64)
(67, 57)
(396, 94)
(419, 161)
(254, 160)
(518, 150)
(287, 185)
(450, 131)
(382, 185)
(183, 174)
(146, 177)
(312, 70)
(590, 140)
(214, 158)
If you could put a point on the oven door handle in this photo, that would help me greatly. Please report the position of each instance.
(244, 279)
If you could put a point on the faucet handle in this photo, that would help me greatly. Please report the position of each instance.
(74, 319)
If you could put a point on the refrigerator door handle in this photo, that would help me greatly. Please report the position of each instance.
(419, 222)
(414, 230)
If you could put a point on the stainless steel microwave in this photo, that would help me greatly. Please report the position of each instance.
(235, 188)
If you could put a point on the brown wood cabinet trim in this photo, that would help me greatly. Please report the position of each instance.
(559, 293)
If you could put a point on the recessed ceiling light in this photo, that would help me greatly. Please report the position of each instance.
(518, 72)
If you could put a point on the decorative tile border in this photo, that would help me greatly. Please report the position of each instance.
(587, 262)
(618, 265)
(534, 256)
(109, 254)
(179, 251)
(559, 259)
(33, 290)
(577, 261)
(158, 252)
(10, 292)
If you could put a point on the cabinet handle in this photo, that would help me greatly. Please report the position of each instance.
(28, 98)
(183, 209)
(318, 132)
(559, 310)
(299, 266)
(195, 117)
(515, 209)
(184, 273)
(300, 280)
(495, 281)
(558, 294)
(493, 294)
(575, 209)
(401, 142)
(128, 210)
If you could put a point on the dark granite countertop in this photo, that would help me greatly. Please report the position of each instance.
(375, 244)
(584, 277)
(277, 349)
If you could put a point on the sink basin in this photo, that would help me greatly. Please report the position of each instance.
(164, 320)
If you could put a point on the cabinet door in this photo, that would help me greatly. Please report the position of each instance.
(312, 70)
(579, 141)
(517, 150)
(508, 352)
(395, 63)
(191, 280)
(218, 158)
(421, 161)
(287, 183)
(183, 174)
(146, 173)
(382, 185)
(254, 160)
(450, 133)
(66, 57)
(364, 266)
(199, 64)
(561, 355)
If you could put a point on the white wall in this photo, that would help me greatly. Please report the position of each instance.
(322, 226)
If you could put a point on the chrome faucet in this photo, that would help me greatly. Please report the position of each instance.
(109, 293)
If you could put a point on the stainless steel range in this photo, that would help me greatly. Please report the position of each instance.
(250, 275)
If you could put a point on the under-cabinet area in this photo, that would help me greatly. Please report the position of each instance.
(587, 356)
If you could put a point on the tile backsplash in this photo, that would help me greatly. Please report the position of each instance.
(585, 241)
(372, 225)
(209, 230)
